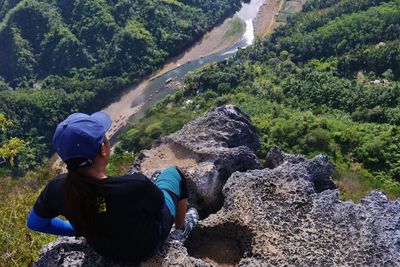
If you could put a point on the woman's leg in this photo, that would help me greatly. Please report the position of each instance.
(180, 213)
(173, 184)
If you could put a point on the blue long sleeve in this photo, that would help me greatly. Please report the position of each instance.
(53, 226)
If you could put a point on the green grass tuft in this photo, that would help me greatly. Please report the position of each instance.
(236, 28)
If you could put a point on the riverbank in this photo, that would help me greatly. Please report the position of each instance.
(273, 13)
(265, 21)
(221, 37)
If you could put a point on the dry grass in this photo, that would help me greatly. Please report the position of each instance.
(20, 246)
(355, 183)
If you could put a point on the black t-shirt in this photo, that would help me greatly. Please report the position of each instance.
(131, 217)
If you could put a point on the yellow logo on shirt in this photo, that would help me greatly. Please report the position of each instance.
(101, 205)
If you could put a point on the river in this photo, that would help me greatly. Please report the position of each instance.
(133, 104)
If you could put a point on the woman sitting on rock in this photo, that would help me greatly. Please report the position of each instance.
(125, 218)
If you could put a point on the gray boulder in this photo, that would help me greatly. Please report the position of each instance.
(208, 150)
(71, 251)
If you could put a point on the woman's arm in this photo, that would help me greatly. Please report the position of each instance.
(53, 226)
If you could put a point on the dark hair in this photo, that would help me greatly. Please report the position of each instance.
(82, 194)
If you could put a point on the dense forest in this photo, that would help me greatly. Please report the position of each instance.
(57, 57)
(326, 82)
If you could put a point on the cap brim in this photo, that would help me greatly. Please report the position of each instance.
(103, 119)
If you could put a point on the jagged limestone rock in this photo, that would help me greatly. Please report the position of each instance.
(291, 215)
(71, 251)
(208, 150)
(274, 157)
(286, 214)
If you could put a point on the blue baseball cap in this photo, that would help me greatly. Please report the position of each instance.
(81, 135)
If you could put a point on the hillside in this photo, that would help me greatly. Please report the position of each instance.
(326, 82)
(57, 57)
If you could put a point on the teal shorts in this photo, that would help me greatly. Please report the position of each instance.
(169, 181)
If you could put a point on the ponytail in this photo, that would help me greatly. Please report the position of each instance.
(82, 196)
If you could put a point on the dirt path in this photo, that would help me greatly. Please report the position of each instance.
(167, 155)
(266, 19)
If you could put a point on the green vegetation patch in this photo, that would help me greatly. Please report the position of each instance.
(20, 246)
(235, 29)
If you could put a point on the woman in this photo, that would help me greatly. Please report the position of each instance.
(125, 218)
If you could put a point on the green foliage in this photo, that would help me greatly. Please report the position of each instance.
(161, 120)
(382, 59)
(344, 33)
(10, 147)
(18, 60)
(62, 52)
(154, 130)
(3, 85)
(19, 245)
(355, 182)
(236, 28)
(62, 35)
(136, 51)
(92, 23)
(5, 7)
(119, 163)
(319, 4)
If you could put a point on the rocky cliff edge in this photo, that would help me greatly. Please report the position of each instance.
(286, 213)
